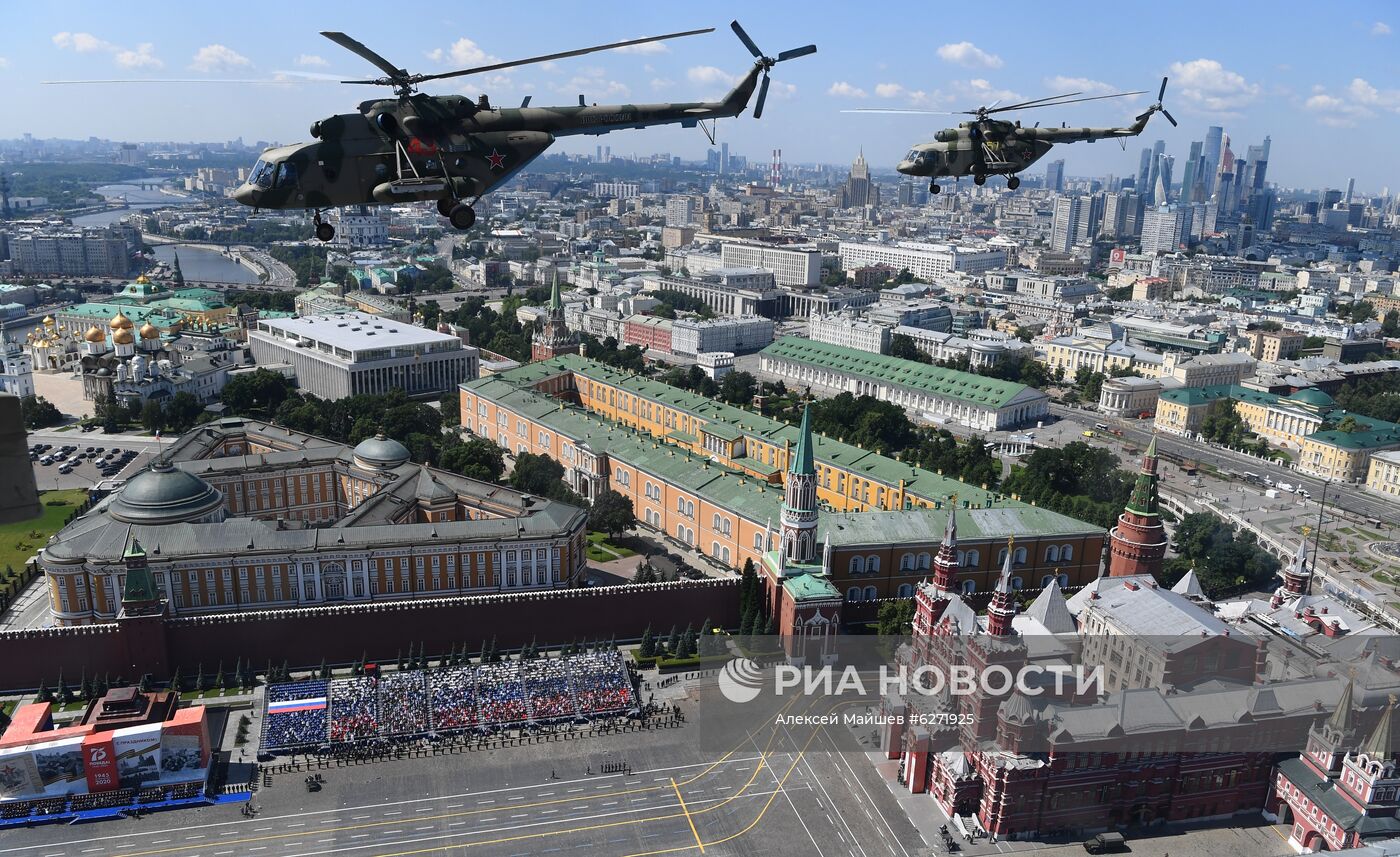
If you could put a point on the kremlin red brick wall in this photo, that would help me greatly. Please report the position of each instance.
(342, 634)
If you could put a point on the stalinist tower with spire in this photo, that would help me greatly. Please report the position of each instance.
(554, 337)
(860, 191)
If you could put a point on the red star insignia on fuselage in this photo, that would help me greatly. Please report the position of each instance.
(498, 161)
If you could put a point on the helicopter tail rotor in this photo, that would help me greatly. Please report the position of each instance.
(767, 62)
(1156, 108)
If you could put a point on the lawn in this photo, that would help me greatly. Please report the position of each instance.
(22, 539)
(602, 550)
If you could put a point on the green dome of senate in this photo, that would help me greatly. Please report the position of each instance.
(1313, 398)
(380, 451)
(164, 494)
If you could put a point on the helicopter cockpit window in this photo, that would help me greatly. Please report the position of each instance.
(286, 175)
(262, 174)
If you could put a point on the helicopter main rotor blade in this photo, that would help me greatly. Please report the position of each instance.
(797, 52)
(744, 37)
(560, 55)
(1069, 101)
(902, 110)
(264, 80)
(358, 47)
(1019, 105)
(762, 97)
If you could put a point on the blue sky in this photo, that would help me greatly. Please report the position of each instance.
(1326, 86)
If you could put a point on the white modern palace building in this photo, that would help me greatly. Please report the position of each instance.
(347, 354)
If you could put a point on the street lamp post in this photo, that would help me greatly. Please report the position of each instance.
(1321, 510)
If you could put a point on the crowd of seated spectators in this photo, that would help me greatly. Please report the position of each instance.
(485, 696)
(500, 694)
(403, 703)
(354, 714)
(547, 688)
(453, 700)
(295, 728)
(601, 683)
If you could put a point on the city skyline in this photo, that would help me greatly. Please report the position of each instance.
(1228, 76)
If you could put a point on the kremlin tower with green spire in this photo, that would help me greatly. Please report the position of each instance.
(554, 337)
(1139, 543)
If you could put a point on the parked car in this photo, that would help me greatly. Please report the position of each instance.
(1110, 842)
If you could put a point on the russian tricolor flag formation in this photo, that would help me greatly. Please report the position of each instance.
(289, 706)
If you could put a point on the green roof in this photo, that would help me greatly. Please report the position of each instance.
(934, 380)
(809, 587)
(928, 525)
(864, 463)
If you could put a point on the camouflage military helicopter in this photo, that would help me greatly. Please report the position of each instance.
(984, 146)
(453, 149)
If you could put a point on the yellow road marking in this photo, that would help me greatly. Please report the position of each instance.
(687, 816)
(570, 799)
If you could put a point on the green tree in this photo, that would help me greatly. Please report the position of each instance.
(536, 474)
(611, 513)
(1224, 425)
(647, 648)
(738, 388)
(153, 416)
(477, 458)
(1390, 324)
(39, 412)
(261, 391)
(905, 348)
(1078, 480)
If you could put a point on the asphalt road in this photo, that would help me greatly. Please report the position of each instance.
(86, 474)
(774, 792)
(1352, 498)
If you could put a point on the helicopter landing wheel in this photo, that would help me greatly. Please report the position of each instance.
(325, 231)
(1013, 182)
(462, 216)
(445, 206)
(934, 188)
(979, 179)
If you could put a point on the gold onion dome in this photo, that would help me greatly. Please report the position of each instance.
(123, 337)
(141, 280)
(48, 321)
(120, 322)
(94, 334)
(150, 331)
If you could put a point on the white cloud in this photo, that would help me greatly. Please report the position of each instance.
(593, 86)
(983, 92)
(4, 63)
(143, 57)
(842, 89)
(645, 48)
(896, 90)
(969, 55)
(218, 58)
(1085, 85)
(1365, 93)
(710, 74)
(778, 89)
(1336, 112)
(83, 43)
(1380, 28)
(311, 59)
(660, 83)
(1210, 87)
(1359, 101)
(464, 53)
